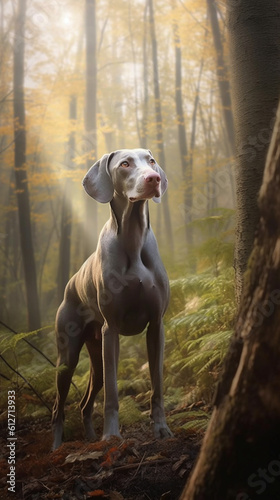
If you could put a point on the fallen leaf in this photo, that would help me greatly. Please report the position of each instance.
(180, 462)
(115, 495)
(154, 457)
(111, 457)
(96, 493)
(182, 472)
(166, 496)
(77, 457)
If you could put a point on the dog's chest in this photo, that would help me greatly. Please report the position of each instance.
(138, 294)
(138, 280)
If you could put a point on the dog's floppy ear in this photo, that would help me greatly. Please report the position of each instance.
(164, 181)
(97, 182)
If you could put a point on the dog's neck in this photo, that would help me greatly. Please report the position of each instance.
(131, 222)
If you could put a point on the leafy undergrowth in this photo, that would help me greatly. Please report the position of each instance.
(199, 325)
(136, 467)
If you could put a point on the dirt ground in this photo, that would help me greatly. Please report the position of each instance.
(134, 468)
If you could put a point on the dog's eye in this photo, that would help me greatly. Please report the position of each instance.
(125, 164)
(152, 161)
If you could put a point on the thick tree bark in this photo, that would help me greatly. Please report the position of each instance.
(66, 212)
(90, 118)
(255, 54)
(240, 456)
(159, 128)
(21, 178)
(222, 75)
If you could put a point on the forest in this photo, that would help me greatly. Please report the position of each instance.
(197, 83)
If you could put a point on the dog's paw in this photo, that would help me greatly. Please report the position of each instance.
(57, 442)
(111, 425)
(91, 436)
(57, 436)
(108, 437)
(161, 430)
(90, 432)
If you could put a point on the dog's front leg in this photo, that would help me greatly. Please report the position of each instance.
(110, 368)
(155, 346)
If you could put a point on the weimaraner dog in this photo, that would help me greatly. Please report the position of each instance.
(120, 289)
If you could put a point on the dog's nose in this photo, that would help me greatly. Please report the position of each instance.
(152, 177)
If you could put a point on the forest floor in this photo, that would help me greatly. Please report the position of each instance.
(137, 467)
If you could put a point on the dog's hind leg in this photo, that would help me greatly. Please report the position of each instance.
(69, 332)
(94, 347)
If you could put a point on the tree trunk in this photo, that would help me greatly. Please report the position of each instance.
(159, 135)
(224, 87)
(182, 136)
(135, 76)
(255, 54)
(222, 75)
(240, 457)
(21, 178)
(66, 212)
(90, 118)
(188, 198)
(144, 128)
(211, 155)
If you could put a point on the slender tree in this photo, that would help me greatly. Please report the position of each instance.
(222, 75)
(182, 134)
(255, 68)
(239, 458)
(144, 128)
(189, 177)
(21, 177)
(159, 128)
(211, 156)
(66, 211)
(90, 117)
(135, 76)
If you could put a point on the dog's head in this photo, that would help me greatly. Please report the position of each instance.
(131, 173)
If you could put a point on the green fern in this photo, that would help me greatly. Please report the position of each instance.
(195, 426)
(129, 412)
(9, 341)
(198, 331)
(192, 421)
